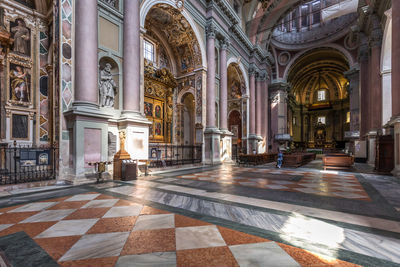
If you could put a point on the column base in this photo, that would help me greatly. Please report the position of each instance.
(371, 147)
(395, 122)
(252, 144)
(137, 134)
(226, 148)
(212, 146)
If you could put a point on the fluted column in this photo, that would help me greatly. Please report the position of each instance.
(210, 118)
(86, 70)
(131, 50)
(223, 98)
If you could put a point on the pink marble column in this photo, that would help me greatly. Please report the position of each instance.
(265, 110)
(395, 58)
(210, 118)
(259, 104)
(86, 70)
(375, 77)
(131, 56)
(223, 98)
(252, 102)
(364, 87)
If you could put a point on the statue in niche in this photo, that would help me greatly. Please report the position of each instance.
(108, 87)
(21, 36)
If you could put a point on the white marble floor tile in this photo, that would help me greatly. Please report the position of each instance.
(4, 226)
(100, 203)
(273, 186)
(97, 246)
(262, 254)
(83, 197)
(49, 216)
(124, 190)
(198, 237)
(34, 207)
(133, 210)
(68, 228)
(157, 259)
(159, 221)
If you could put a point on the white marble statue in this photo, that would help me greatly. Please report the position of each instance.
(108, 87)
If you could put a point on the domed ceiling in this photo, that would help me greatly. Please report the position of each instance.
(321, 68)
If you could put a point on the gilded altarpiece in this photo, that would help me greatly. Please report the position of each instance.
(24, 93)
(159, 87)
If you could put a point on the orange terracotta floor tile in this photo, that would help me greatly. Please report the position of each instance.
(9, 208)
(217, 256)
(233, 237)
(105, 197)
(15, 217)
(110, 225)
(31, 229)
(140, 242)
(99, 262)
(183, 221)
(123, 202)
(68, 205)
(59, 199)
(56, 247)
(87, 214)
(152, 211)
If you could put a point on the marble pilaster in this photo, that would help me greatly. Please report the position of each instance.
(353, 75)
(252, 138)
(396, 84)
(278, 96)
(226, 136)
(212, 135)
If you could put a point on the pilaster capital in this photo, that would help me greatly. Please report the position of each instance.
(211, 31)
(252, 70)
(363, 49)
(225, 43)
(375, 32)
(352, 74)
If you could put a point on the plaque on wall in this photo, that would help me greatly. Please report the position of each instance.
(19, 128)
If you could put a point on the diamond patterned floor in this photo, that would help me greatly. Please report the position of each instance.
(323, 184)
(99, 230)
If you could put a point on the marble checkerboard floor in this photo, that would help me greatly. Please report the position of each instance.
(323, 184)
(94, 229)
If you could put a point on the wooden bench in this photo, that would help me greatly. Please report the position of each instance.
(297, 159)
(337, 161)
(259, 159)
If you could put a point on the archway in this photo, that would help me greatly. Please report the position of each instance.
(318, 110)
(237, 107)
(173, 76)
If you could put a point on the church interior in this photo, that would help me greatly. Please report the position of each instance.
(199, 133)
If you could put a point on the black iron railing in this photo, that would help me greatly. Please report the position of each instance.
(162, 155)
(21, 164)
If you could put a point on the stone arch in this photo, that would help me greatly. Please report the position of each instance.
(242, 68)
(386, 69)
(146, 6)
(341, 49)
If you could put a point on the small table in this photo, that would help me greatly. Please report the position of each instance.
(100, 167)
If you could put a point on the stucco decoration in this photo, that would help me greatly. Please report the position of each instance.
(179, 35)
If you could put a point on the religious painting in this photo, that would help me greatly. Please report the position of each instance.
(22, 37)
(235, 131)
(20, 80)
(148, 109)
(157, 111)
(158, 128)
(151, 133)
(19, 127)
